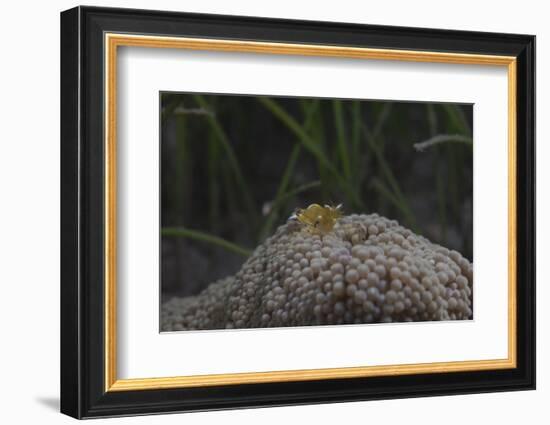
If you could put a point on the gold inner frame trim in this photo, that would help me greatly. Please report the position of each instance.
(113, 41)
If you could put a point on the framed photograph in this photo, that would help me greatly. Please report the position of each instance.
(261, 212)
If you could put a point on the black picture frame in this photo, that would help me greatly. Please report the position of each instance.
(83, 392)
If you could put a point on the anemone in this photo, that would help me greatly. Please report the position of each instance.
(367, 269)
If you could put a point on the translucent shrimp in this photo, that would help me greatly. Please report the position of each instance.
(318, 219)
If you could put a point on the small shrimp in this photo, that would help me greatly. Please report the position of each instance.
(318, 219)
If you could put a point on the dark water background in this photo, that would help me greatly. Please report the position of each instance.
(235, 167)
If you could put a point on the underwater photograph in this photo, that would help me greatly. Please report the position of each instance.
(294, 211)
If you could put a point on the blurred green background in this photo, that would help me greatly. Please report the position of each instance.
(233, 168)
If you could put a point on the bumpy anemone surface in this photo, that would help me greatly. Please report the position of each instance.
(368, 269)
